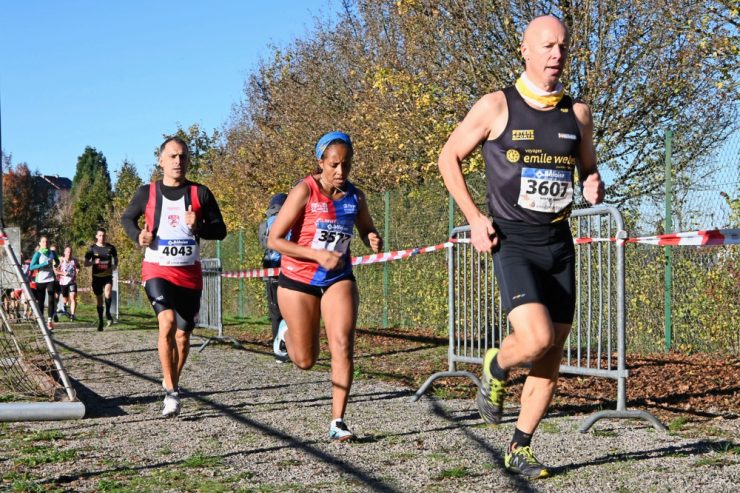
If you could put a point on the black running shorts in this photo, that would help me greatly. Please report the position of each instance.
(98, 284)
(69, 288)
(185, 302)
(318, 291)
(536, 264)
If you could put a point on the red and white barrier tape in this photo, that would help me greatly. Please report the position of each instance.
(243, 274)
(366, 260)
(695, 238)
(399, 254)
(690, 238)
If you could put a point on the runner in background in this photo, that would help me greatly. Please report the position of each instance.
(21, 295)
(316, 280)
(271, 260)
(43, 263)
(57, 287)
(67, 272)
(103, 259)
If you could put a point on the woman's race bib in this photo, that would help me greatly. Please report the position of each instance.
(332, 237)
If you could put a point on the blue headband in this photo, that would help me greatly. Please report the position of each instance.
(326, 139)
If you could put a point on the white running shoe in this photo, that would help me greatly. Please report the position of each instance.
(278, 345)
(171, 405)
(339, 432)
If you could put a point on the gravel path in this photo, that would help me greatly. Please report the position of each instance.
(250, 424)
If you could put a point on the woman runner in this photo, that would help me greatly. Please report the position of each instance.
(68, 270)
(43, 262)
(316, 281)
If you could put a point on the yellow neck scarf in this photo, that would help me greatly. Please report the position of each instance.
(536, 96)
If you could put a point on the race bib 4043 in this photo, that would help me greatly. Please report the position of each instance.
(331, 236)
(545, 190)
(178, 252)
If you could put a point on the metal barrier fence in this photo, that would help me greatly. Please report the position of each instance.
(596, 345)
(210, 315)
(28, 355)
(115, 297)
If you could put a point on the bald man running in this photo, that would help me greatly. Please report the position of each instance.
(534, 138)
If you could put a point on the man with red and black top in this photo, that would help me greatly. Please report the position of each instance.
(103, 259)
(178, 213)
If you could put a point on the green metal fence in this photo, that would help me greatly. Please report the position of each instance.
(686, 297)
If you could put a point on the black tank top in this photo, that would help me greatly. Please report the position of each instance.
(530, 166)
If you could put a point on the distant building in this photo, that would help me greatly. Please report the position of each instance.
(54, 189)
(57, 185)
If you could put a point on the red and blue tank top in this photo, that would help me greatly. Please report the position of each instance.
(325, 224)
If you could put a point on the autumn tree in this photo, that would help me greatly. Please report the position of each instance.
(129, 254)
(27, 205)
(399, 75)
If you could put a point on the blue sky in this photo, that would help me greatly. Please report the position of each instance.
(118, 75)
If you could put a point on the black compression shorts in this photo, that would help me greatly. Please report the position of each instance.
(98, 283)
(185, 302)
(536, 264)
(69, 288)
(318, 291)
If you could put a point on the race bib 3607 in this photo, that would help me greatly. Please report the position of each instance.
(545, 190)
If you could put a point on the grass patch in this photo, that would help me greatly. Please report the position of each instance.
(712, 431)
(455, 472)
(717, 461)
(604, 433)
(248, 438)
(167, 479)
(12, 398)
(283, 464)
(44, 436)
(449, 392)
(37, 455)
(721, 455)
(201, 460)
(438, 456)
(678, 424)
(549, 427)
(111, 486)
(21, 481)
(728, 448)
(131, 318)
